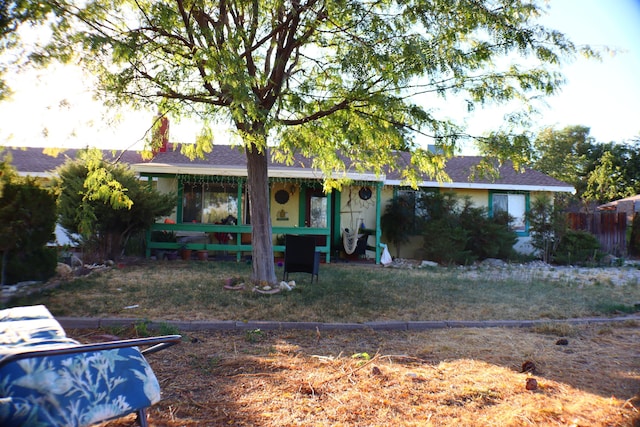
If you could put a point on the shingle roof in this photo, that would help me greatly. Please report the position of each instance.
(223, 157)
(34, 161)
(461, 170)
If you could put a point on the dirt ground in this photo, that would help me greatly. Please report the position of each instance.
(551, 376)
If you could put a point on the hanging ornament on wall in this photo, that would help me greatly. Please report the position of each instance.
(282, 196)
(365, 193)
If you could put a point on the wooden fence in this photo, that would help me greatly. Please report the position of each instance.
(609, 227)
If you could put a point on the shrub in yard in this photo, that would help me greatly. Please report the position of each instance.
(27, 222)
(445, 242)
(458, 232)
(578, 247)
(38, 264)
(488, 237)
(547, 223)
(397, 222)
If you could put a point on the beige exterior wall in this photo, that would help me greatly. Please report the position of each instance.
(479, 198)
(355, 211)
(285, 214)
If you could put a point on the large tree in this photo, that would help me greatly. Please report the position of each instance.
(320, 77)
(600, 172)
(565, 154)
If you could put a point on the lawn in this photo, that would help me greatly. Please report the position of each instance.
(444, 377)
(193, 290)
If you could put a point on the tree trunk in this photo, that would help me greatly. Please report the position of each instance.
(263, 269)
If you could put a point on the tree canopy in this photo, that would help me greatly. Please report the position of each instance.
(324, 78)
(600, 172)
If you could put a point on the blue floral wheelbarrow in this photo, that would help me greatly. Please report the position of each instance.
(48, 379)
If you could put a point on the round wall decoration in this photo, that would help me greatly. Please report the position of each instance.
(282, 196)
(365, 193)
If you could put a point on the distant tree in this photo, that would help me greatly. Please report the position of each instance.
(315, 77)
(566, 154)
(608, 181)
(106, 203)
(27, 218)
(600, 172)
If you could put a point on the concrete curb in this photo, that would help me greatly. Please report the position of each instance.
(230, 325)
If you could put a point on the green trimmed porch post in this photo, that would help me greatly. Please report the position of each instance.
(240, 219)
(378, 214)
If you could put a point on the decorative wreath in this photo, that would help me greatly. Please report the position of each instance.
(365, 193)
(282, 196)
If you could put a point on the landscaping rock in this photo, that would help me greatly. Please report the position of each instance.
(424, 264)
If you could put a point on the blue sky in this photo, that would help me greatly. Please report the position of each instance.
(604, 96)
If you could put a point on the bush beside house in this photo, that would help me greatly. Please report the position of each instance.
(27, 223)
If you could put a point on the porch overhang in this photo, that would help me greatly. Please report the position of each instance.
(273, 172)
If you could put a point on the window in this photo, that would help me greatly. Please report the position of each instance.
(415, 202)
(209, 203)
(515, 205)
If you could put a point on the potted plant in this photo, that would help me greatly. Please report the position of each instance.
(185, 253)
(203, 255)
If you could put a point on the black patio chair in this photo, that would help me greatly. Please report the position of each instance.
(300, 256)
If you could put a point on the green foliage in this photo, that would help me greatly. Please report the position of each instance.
(27, 222)
(142, 328)
(460, 233)
(328, 80)
(607, 181)
(565, 154)
(397, 221)
(254, 335)
(489, 237)
(547, 224)
(599, 172)
(38, 264)
(578, 247)
(163, 236)
(106, 203)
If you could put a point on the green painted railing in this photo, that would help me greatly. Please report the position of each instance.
(199, 230)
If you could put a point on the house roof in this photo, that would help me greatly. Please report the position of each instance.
(461, 170)
(231, 161)
(40, 162)
(614, 204)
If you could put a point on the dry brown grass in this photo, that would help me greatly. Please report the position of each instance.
(455, 377)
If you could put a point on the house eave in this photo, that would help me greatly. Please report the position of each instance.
(486, 186)
(273, 172)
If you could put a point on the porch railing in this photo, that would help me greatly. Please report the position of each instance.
(189, 231)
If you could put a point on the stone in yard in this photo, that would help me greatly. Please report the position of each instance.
(424, 264)
(63, 269)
